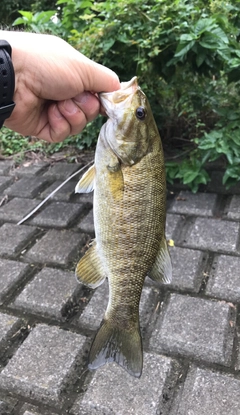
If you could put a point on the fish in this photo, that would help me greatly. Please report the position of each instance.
(129, 183)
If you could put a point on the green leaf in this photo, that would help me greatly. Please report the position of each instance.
(232, 172)
(19, 20)
(187, 37)
(36, 28)
(218, 32)
(108, 44)
(190, 176)
(184, 48)
(26, 14)
(234, 75)
(204, 25)
(87, 16)
(230, 157)
(200, 59)
(209, 42)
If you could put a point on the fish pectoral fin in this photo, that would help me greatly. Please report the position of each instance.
(89, 270)
(116, 344)
(86, 183)
(162, 268)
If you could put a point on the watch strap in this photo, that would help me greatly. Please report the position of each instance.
(7, 82)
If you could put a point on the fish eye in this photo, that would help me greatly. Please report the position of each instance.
(140, 113)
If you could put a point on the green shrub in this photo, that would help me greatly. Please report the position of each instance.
(187, 57)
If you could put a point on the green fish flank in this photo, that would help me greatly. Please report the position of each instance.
(129, 185)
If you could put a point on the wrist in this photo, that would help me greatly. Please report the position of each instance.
(18, 46)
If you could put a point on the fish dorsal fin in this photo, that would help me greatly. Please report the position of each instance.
(117, 344)
(162, 268)
(89, 270)
(86, 183)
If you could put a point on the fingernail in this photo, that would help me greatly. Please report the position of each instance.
(70, 107)
(83, 97)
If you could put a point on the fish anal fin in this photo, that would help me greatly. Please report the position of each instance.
(89, 270)
(162, 268)
(116, 344)
(86, 183)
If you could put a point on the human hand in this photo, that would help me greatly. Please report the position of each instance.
(56, 86)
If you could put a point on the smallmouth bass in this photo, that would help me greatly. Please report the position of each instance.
(129, 184)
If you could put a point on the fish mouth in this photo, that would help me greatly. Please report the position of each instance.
(109, 99)
(133, 83)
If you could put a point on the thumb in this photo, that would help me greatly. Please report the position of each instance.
(98, 78)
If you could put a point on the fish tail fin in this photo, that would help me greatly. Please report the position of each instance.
(114, 344)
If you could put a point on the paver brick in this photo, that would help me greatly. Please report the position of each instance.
(26, 187)
(87, 224)
(49, 302)
(64, 194)
(44, 367)
(196, 327)
(194, 204)
(224, 281)
(11, 273)
(7, 405)
(61, 171)
(83, 198)
(187, 266)
(16, 209)
(56, 247)
(95, 310)
(209, 393)
(14, 238)
(8, 325)
(237, 365)
(216, 185)
(214, 235)
(29, 169)
(58, 215)
(172, 223)
(4, 182)
(5, 167)
(234, 211)
(33, 410)
(51, 356)
(114, 392)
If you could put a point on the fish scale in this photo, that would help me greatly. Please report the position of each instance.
(129, 216)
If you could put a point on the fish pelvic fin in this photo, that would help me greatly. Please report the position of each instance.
(89, 270)
(117, 344)
(86, 183)
(162, 268)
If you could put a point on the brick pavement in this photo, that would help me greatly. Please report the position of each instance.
(190, 328)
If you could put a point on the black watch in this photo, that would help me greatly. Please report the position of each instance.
(7, 82)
